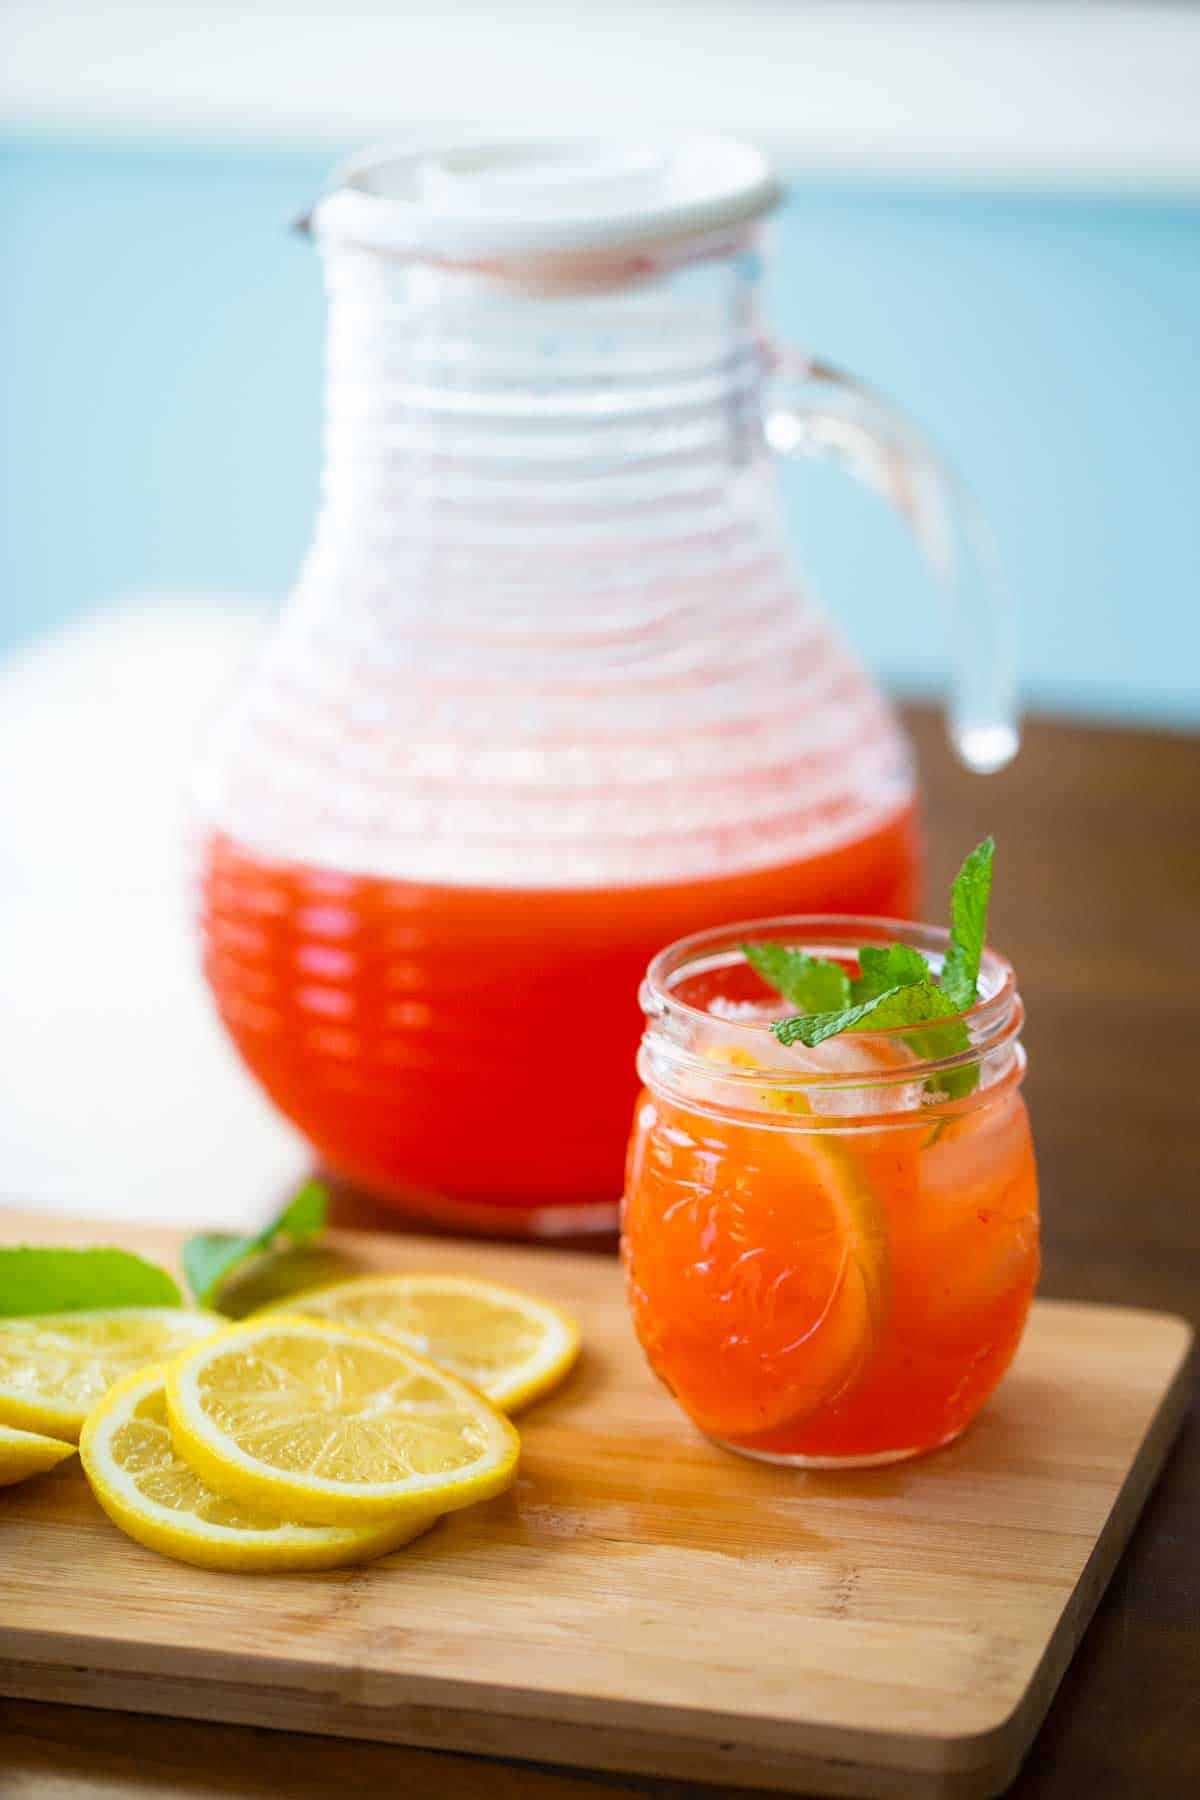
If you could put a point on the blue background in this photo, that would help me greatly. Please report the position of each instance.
(160, 365)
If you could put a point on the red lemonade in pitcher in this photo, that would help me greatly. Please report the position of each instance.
(419, 1034)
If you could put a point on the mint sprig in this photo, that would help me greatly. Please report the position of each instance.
(211, 1257)
(895, 986)
(38, 1278)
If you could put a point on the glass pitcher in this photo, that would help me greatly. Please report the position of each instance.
(547, 694)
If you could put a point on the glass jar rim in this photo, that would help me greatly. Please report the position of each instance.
(993, 1021)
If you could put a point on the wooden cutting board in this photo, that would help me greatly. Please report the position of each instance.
(642, 1601)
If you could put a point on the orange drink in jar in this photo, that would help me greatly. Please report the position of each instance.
(830, 1251)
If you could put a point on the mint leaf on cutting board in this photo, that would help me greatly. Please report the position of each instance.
(48, 1279)
(211, 1257)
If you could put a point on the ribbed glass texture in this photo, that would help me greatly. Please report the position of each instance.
(547, 634)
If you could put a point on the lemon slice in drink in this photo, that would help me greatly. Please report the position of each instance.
(510, 1346)
(321, 1422)
(55, 1366)
(26, 1453)
(147, 1489)
(757, 1253)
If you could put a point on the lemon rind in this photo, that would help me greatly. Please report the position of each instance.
(33, 1453)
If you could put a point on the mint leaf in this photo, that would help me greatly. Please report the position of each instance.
(812, 1029)
(968, 925)
(911, 1005)
(949, 1040)
(208, 1257)
(945, 1040)
(890, 966)
(41, 1280)
(211, 1256)
(811, 982)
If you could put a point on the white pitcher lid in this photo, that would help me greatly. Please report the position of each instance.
(459, 197)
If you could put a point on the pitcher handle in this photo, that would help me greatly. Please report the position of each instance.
(816, 411)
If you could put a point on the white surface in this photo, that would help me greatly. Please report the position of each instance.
(459, 194)
(1083, 91)
(118, 1092)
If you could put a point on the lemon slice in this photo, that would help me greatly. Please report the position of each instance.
(328, 1424)
(26, 1453)
(55, 1366)
(510, 1346)
(155, 1497)
(759, 1276)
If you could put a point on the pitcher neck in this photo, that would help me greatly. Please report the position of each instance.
(464, 409)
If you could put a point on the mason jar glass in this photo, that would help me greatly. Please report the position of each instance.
(830, 1253)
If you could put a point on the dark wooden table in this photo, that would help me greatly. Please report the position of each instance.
(1098, 904)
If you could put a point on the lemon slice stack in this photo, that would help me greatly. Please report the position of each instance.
(285, 1442)
(146, 1488)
